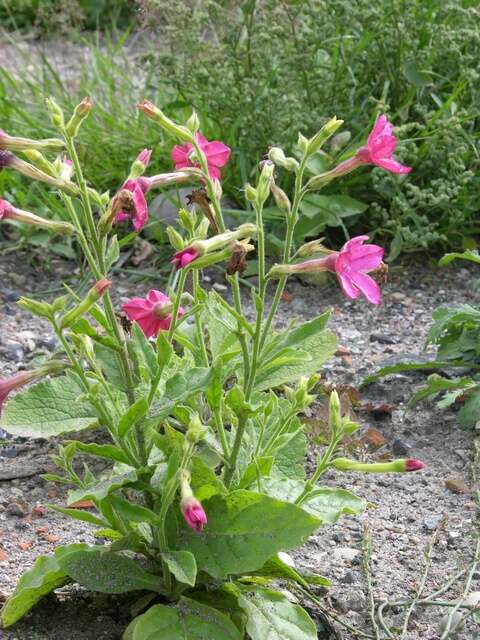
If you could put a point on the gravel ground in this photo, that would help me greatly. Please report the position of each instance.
(405, 510)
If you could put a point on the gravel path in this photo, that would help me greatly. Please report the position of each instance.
(404, 512)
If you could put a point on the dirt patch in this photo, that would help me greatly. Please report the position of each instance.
(405, 509)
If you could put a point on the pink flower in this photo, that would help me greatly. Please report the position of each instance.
(216, 153)
(412, 464)
(24, 377)
(184, 257)
(139, 213)
(6, 209)
(153, 313)
(380, 146)
(193, 512)
(351, 265)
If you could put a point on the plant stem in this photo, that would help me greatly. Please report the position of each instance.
(291, 222)
(322, 465)
(176, 305)
(198, 322)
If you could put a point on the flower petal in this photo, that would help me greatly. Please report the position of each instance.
(217, 153)
(392, 165)
(180, 153)
(367, 286)
(348, 288)
(365, 258)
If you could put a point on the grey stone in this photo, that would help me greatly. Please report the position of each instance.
(14, 509)
(400, 448)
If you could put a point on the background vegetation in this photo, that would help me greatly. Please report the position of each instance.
(258, 72)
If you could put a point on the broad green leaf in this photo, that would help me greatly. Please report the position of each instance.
(45, 576)
(222, 327)
(224, 599)
(270, 616)
(244, 529)
(102, 570)
(325, 503)
(110, 365)
(79, 514)
(108, 451)
(328, 504)
(183, 566)
(180, 387)
(134, 413)
(204, 481)
(101, 489)
(191, 620)
(317, 345)
(130, 511)
(48, 408)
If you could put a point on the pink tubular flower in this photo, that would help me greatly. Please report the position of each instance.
(351, 266)
(380, 146)
(216, 153)
(413, 464)
(24, 377)
(153, 313)
(139, 212)
(193, 512)
(6, 209)
(184, 257)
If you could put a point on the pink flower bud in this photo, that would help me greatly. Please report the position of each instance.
(144, 157)
(183, 258)
(193, 512)
(413, 464)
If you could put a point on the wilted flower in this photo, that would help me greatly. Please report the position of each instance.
(184, 257)
(153, 313)
(216, 153)
(137, 209)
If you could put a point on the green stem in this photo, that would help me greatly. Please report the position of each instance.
(198, 322)
(176, 305)
(291, 222)
(242, 425)
(322, 465)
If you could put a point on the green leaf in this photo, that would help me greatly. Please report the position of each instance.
(45, 576)
(270, 616)
(109, 451)
(113, 253)
(183, 566)
(130, 511)
(110, 365)
(222, 327)
(244, 529)
(180, 387)
(134, 414)
(100, 490)
(436, 384)
(191, 620)
(413, 366)
(107, 572)
(144, 352)
(328, 504)
(316, 344)
(48, 408)
(472, 256)
(205, 483)
(469, 414)
(260, 467)
(79, 514)
(277, 568)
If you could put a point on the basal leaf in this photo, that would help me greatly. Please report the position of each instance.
(45, 576)
(244, 529)
(48, 408)
(108, 572)
(270, 616)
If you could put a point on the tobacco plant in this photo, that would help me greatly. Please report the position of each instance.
(201, 484)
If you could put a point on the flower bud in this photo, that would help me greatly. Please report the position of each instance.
(175, 238)
(154, 113)
(92, 297)
(395, 466)
(196, 430)
(191, 508)
(339, 141)
(281, 199)
(250, 193)
(141, 163)
(277, 156)
(193, 123)
(310, 248)
(9, 212)
(40, 161)
(263, 186)
(334, 412)
(7, 385)
(66, 169)
(56, 113)
(80, 112)
(328, 129)
(302, 143)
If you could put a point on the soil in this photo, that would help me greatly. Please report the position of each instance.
(405, 510)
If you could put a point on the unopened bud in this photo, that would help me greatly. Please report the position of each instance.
(80, 113)
(93, 296)
(401, 465)
(196, 430)
(56, 113)
(328, 129)
(175, 238)
(310, 248)
(263, 186)
(277, 156)
(334, 413)
(193, 123)
(141, 163)
(302, 143)
(250, 193)
(154, 113)
(339, 141)
(281, 199)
